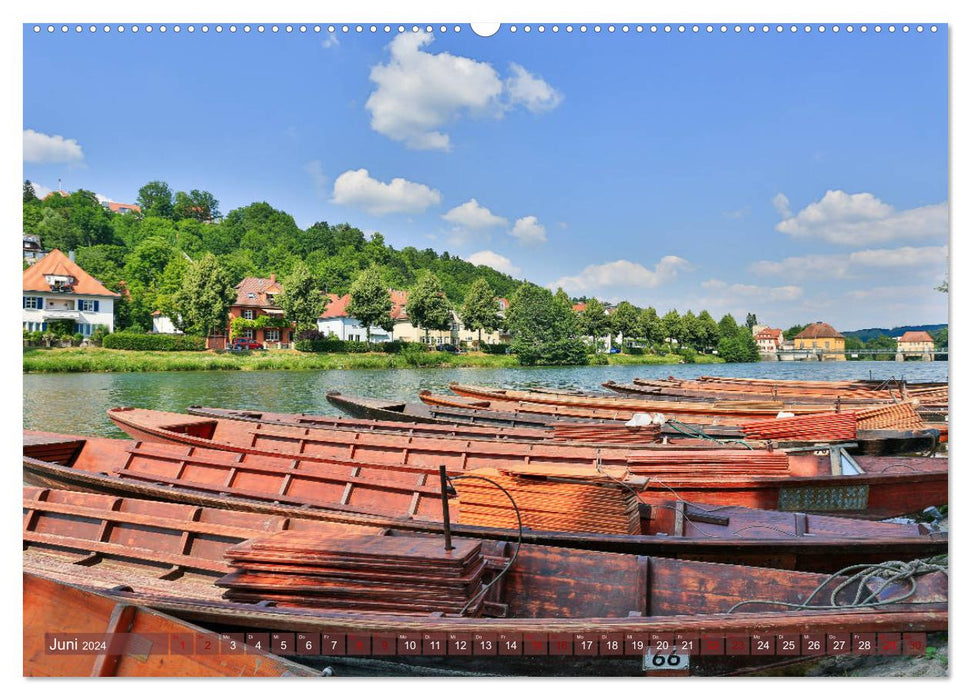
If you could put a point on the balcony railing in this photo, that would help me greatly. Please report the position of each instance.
(62, 314)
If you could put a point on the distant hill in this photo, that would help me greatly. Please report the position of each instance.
(866, 334)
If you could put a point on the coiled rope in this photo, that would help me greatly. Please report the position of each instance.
(887, 573)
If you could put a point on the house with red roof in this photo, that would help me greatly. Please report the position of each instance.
(335, 319)
(57, 289)
(121, 208)
(255, 302)
(915, 343)
(769, 340)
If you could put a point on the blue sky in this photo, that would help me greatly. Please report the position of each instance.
(799, 176)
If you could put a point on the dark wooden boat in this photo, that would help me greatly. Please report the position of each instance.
(290, 488)
(137, 640)
(168, 556)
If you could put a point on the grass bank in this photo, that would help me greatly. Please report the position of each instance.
(668, 359)
(49, 360)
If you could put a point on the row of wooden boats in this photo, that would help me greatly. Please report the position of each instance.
(565, 525)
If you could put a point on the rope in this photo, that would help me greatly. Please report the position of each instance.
(519, 540)
(699, 433)
(887, 573)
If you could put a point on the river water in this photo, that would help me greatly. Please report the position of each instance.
(76, 403)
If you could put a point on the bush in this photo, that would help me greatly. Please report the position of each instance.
(631, 350)
(98, 335)
(495, 348)
(568, 351)
(598, 359)
(77, 338)
(127, 340)
(395, 347)
(688, 354)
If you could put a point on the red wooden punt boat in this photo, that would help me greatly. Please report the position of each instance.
(140, 639)
(735, 410)
(168, 556)
(884, 487)
(290, 488)
(577, 433)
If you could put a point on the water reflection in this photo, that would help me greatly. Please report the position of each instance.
(76, 403)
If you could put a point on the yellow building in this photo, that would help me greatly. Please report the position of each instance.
(915, 343)
(822, 336)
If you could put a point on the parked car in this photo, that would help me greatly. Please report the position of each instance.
(243, 344)
(614, 351)
(446, 347)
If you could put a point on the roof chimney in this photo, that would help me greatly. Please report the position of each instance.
(272, 278)
(70, 255)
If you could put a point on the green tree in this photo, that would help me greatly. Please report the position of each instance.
(692, 329)
(544, 327)
(942, 287)
(650, 326)
(29, 194)
(707, 332)
(751, 320)
(673, 326)
(370, 301)
(727, 327)
(155, 199)
(197, 204)
(739, 347)
(202, 304)
(940, 338)
(301, 299)
(883, 342)
(626, 321)
(480, 310)
(428, 307)
(595, 322)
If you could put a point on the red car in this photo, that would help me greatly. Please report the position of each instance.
(243, 344)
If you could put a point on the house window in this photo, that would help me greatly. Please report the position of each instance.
(33, 303)
(272, 334)
(248, 314)
(249, 334)
(87, 305)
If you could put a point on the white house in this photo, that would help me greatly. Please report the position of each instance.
(163, 324)
(335, 320)
(57, 289)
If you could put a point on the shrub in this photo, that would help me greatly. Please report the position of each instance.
(632, 350)
(98, 334)
(598, 359)
(688, 354)
(395, 347)
(77, 338)
(495, 348)
(152, 341)
(567, 351)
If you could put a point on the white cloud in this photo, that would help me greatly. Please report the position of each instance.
(315, 170)
(863, 218)
(42, 148)
(473, 215)
(736, 213)
(356, 188)
(331, 41)
(495, 261)
(418, 93)
(854, 264)
(529, 230)
(531, 91)
(729, 292)
(781, 204)
(624, 274)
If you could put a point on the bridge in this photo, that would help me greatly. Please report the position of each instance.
(818, 355)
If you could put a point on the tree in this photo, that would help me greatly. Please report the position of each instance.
(197, 204)
(940, 338)
(370, 301)
(883, 342)
(707, 332)
(155, 199)
(692, 330)
(751, 320)
(428, 307)
(650, 326)
(544, 327)
(673, 326)
(727, 327)
(626, 320)
(29, 194)
(301, 299)
(480, 310)
(739, 347)
(942, 287)
(202, 304)
(595, 322)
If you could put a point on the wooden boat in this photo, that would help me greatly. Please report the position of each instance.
(168, 556)
(726, 429)
(738, 411)
(137, 640)
(892, 389)
(281, 487)
(582, 433)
